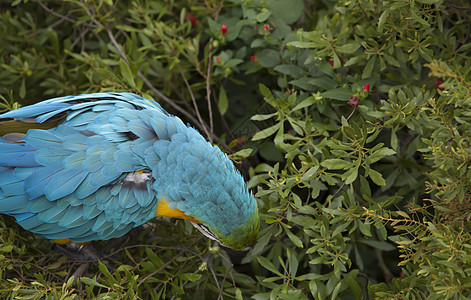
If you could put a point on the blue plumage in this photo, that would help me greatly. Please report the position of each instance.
(108, 163)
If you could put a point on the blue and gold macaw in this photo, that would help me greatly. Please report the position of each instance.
(92, 167)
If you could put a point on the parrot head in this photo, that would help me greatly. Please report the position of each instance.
(240, 238)
(203, 185)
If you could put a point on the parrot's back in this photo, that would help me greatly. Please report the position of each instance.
(112, 161)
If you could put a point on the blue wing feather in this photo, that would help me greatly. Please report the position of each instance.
(64, 183)
(75, 142)
(14, 204)
(35, 184)
(34, 110)
(126, 198)
(51, 157)
(90, 212)
(42, 139)
(17, 155)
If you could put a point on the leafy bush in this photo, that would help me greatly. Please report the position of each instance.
(349, 119)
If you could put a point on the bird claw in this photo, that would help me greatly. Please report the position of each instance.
(84, 253)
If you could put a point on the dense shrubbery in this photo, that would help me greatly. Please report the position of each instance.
(349, 119)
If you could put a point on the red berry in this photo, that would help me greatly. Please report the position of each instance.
(331, 63)
(218, 59)
(253, 58)
(438, 82)
(366, 87)
(223, 29)
(266, 27)
(192, 19)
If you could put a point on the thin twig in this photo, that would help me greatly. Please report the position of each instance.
(208, 92)
(354, 108)
(51, 11)
(308, 198)
(339, 189)
(224, 280)
(58, 22)
(208, 134)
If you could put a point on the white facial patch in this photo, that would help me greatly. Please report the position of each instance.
(207, 233)
(137, 179)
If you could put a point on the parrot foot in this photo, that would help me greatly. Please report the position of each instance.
(85, 253)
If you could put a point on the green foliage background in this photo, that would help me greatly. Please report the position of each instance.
(357, 201)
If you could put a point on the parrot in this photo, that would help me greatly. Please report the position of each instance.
(91, 167)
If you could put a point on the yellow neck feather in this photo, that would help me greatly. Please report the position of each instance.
(164, 211)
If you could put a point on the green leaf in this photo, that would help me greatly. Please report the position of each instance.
(304, 221)
(262, 242)
(156, 261)
(288, 11)
(336, 164)
(348, 48)
(268, 58)
(294, 238)
(323, 82)
(364, 186)
(126, 73)
(241, 154)
(266, 132)
(262, 117)
(376, 177)
(380, 154)
(291, 70)
(223, 102)
(303, 83)
(368, 70)
(256, 43)
(301, 44)
(190, 277)
(338, 94)
(350, 176)
(418, 19)
(265, 91)
(336, 290)
(403, 214)
(394, 140)
(105, 272)
(238, 294)
(7, 248)
(92, 282)
(70, 281)
(365, 229)
(341, 228)
(261, 17)
(382, 19)
(268, 265)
